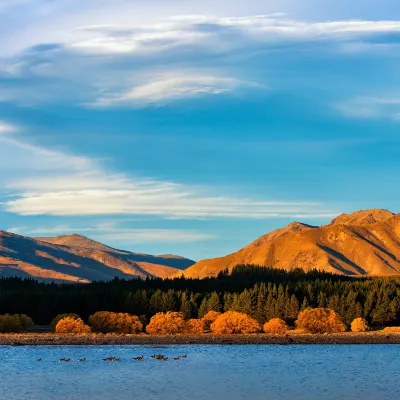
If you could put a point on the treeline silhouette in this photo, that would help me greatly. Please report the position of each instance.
(260, 292)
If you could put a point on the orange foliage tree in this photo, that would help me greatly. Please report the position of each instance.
(359, 325)
(105, 321)
(275, 326)
(209, 318)
(320, 320)
(234, 322)
(169, 323)
(59, 317)
(72, 325)
(195, 326)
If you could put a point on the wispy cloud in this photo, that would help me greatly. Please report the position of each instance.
(370, 107)
(83, 187)
(172, 88)
(115, 233)
(119, 65)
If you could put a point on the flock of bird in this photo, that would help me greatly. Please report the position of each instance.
(160, 357)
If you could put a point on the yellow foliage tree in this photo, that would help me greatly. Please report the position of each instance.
(209, 318)
(359, 325)
(169, 323)
(195, 326)
(105, 321)
(320, 320)
(234, 322)
(72, 325)
(276, 326)
(59, 317)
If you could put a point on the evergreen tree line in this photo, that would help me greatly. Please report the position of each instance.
(262, 293)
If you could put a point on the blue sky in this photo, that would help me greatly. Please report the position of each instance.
(194, 127)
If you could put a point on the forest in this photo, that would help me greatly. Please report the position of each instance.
(261, 293)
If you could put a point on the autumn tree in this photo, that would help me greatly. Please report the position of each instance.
(195, 326)
(276, 326)
(320, 320)
(169, 323)
(105, 321)
(72, 325)
(359, 325)
(234, 322)
(209, 318)
(14, 322)
(59, 317)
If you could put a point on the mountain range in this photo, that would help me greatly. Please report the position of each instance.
(365, 242)
(75, 258)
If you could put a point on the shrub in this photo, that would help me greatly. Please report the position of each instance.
(169, 323)
(276, 326)
(234, 322)
(359, 325)
(195, 326)
(59, 317)
(14, 322)
(209, 318)
(106, 322)
(72, 325)
(320, 320)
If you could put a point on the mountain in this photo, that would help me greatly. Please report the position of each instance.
(366, 242)
(75, 258)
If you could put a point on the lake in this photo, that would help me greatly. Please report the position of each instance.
(293, 372)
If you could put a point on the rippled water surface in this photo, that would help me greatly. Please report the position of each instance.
(209, 372)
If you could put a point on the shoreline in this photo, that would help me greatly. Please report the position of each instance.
(42, 339)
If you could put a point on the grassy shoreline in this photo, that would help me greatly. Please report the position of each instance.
(38, 339)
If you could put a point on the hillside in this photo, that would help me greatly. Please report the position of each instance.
(75, 258)
(362, 243)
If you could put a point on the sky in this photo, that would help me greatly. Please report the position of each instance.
(193, 128)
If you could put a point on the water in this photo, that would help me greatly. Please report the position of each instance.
(209, 372)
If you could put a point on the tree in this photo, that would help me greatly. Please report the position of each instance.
(14, 322)
(105, 321)
(186, 306)
(59, 317)
(359, 325)
(320, 320)
(195, 326)
(276, 326)
(209, 318)
(169, 323)
(234, 322)
(214, 303)
(72, 325)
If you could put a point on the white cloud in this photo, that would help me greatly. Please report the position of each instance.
(113, 232)
(80, 186)
(172, 88)
(216, 33)
(370, 107)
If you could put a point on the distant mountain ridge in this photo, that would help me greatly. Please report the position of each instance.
(365, 242)
(76, 258)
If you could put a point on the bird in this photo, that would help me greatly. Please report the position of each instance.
(138, 358)
(39, 360)
(65, 359)
(177, 358)
(116, 359)
(184, 356)
(81, 359)
(153, 356)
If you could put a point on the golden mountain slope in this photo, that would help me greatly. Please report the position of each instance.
(75, 258)
(363, 243)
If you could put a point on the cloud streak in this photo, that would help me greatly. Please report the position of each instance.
(166, 89)
(81, 187)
